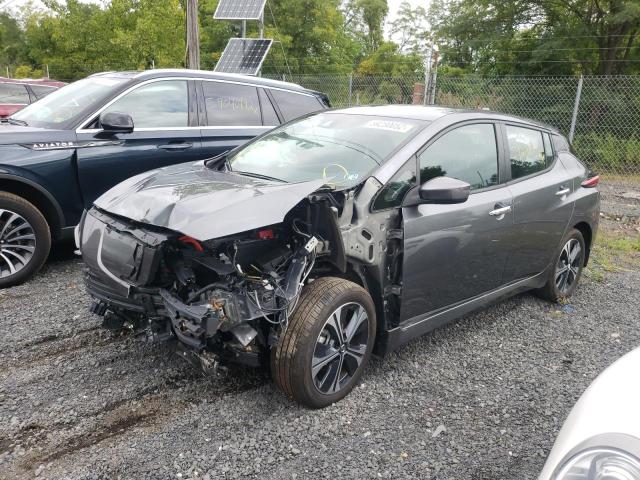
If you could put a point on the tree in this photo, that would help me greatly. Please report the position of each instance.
(12, 46)
(410, 28)
(365, 21)
(539, 36)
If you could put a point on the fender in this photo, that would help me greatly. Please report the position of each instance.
(5, 175)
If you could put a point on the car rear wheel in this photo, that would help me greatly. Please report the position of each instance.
(567, 268)
(25, 240)
(324, 350)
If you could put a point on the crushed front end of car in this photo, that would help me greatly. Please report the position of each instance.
(224, 299)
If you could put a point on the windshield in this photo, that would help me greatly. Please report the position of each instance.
(339, 148)
(67, 102)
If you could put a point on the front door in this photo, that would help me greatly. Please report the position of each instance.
(455, 252)
(165, 133)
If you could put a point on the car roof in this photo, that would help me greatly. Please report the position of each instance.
(203, 74)
(431, 113)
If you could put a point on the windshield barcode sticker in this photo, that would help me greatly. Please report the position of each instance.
(391, 125)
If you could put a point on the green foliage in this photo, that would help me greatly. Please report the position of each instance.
(25, 71)
(608, 152)
(539, 36)
(410, 27)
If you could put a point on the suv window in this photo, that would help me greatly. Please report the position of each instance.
(294, 105)
(269, 116)
(468, 153)
(156, 105)
(42, 91)
(13, 93)
(230, 104)
(526, 151)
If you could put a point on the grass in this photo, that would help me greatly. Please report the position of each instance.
(612, 252)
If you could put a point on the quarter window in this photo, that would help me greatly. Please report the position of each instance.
(269, 116)
(393, 193)
(294, 105)
(526, 151)
(156, 105)
(13, 93)
(41, 91)
(467, 153)
(229, 104)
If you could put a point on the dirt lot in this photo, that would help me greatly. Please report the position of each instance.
(480, 399)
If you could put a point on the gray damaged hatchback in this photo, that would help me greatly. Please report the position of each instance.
(339, 235)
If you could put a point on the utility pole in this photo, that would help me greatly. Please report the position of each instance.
(193, 38)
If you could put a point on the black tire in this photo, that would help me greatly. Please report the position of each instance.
(34, 250)
(555, 290)
(300, 344)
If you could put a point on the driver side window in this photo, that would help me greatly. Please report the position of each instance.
(468, 153)
(161, 104)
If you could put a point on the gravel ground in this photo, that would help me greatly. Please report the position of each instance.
(480, 399)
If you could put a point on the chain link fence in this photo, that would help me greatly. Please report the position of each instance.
(600, 114)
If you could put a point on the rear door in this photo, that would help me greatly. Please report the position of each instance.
(455, 252)
(165, 133)
(543, 199)
(231, 114)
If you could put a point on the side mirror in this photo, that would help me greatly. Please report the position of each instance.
(439, 190)
(114, 122)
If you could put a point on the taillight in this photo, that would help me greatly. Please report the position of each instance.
(591, 182)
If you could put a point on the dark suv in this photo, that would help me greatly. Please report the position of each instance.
(59, 154)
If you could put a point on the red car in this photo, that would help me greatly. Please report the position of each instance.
(16, 93)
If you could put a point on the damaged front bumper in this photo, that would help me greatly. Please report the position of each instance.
(140, 280)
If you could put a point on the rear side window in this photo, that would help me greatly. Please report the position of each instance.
(269, 116)
(13, 93)
(560, 143)
(228, 104)
(468, 153)
(294, 105)
(42, 91)
(526, 151)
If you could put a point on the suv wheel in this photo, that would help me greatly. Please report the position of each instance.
(25, 240)
(567, 268)
(321, 355)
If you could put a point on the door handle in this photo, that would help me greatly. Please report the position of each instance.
(563, 191)
(500, 212)
(176, 146)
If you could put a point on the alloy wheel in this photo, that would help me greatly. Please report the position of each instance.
(17, 243)
(568, 266)
(340, 348)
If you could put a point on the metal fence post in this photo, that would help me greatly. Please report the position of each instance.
(350, 87)
(576, 108)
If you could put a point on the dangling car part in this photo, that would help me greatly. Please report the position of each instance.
(338, 235)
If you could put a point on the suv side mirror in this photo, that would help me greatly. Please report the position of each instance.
(114, 122)
(440, 190)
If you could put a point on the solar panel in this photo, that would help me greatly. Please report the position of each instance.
(239, 9)
(243, 55)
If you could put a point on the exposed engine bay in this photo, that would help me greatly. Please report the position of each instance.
(228, 299)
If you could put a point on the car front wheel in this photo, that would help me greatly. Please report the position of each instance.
(322, 353)
(25, 240)
(567, 268)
